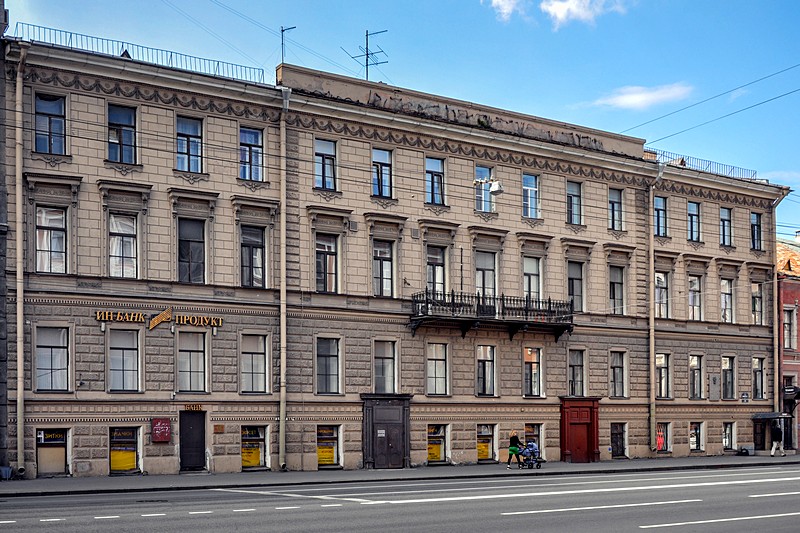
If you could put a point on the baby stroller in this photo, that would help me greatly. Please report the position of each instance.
(530, 455)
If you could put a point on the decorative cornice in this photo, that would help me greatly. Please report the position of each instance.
(192, 177)
(437, 209)
(385, 203)
(487, 216)
(533, 222)
(252, 184)
(327, 195)
(123, 168)
(52, 160)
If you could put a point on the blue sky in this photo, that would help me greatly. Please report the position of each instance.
(606, 64)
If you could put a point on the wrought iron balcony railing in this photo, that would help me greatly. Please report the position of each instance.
(431, 304)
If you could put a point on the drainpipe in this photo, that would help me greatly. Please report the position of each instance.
(651, 311)
(286, 92)
(776, 358)
(20, 263)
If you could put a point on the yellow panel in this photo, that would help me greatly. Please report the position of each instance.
(123, 459)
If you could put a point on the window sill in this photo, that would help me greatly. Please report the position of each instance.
(253, 185)
(486, 396)
(429, 395)
(697, 242)
(618, 231)
(697, 452)
(727, 247)
(663, 452)
(327, 194)
(533, 397)
(573, 226)
(123, 168)
(50, 158)
(255, 393)
(192, 177)
(125, 392)
(619, 397)
(664, 237)
(188, 392)
(45, 391)
(696, 399)
(329, 394)
(666, 398)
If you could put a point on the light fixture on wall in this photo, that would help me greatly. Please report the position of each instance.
(103, 327)
(495, 188)
(214, 330)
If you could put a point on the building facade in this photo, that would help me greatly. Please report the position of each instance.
(788, 268)
(224, 275)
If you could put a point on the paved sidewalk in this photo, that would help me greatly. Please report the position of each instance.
(198, 481)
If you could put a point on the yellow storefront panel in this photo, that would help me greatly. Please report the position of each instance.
(123, 459)
(484, 449)
(435, 450)
(326, 453)
(251, 454)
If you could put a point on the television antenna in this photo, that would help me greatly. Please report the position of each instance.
(283, 42)
(367, 54)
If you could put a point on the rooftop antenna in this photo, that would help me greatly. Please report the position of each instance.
(283, 43)
(367, 54)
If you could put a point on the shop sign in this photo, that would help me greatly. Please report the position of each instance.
(250, 432)
(152, 321)
(326, 453)
(193, 407)
(483, 448)
(251, 454)
(160, 430)
(219, 428)
(435, 449)
(51, 436)
(123, 435)
(119, 316)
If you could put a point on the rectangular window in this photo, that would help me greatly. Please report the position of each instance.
(437, 443)
(382, 269)
(616, 276)
(531, 279)
(533, 433)
(253, 257)
(574, 203)
(758, 378)
(617, 375)
(693, 221)
(530, 196)
(251, 152)
(662, 295)
(191, 362)
(695, 377)
(435, 272)
(660, 216)
(255, 451)
(123, 449)
(695, 298)
(533, 372)
(385, 367)
(52, 359)
(696, 436)
(728, 378)
(328, 446)
(122, 246)
(789, 331)
(757, 303)
(327, 366)
(615, 209)
(253, 364)
(726, 300)
(434, 181)
(575, 376)
(326, 262)
(51, 128)
(381, 173)
(51, 240)
(728, 435)
(122, 134)
(485, 442)
(484, 382)
(189, 139)
(662, 375)
(575, 284)
(725, 226)
(123, 360)
(485, 280)
(663, 437)
(756, 240)
(484, 200)
(191, 251)
(437, 369)
(325, 165)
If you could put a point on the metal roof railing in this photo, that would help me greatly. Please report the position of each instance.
(694, 163)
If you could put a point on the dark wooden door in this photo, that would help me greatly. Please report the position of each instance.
(579, 438)
(618, 440)
(193, 440)
(389, 445)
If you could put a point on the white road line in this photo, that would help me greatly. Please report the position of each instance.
(243, 510)
(619, 506)
(51, 520)
(291, 495)
(200, 512)
(155, 514)
(774, 494)
(718, 520)
(331, 505)
(287, 507)
(8, 521)
(107, 517)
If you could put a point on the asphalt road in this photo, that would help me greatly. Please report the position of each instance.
(689, 500)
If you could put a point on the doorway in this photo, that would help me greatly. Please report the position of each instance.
(618, 440)
(386, 436)
(193, 440)
(580, 442)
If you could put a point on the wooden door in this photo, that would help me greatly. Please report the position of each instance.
(389, 445)
(193, 440)
(618, 440)
(579, 438)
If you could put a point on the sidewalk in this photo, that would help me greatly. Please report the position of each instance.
(198, 481)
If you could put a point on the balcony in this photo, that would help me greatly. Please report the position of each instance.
(469, 311)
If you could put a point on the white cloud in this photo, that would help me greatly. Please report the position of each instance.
(563, 11)
(782, 177)
(639, 98)
(506, 8)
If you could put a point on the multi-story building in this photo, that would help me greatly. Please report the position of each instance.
(216, 273)
(788, 267)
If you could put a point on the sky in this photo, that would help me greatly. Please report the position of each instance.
(717, 80)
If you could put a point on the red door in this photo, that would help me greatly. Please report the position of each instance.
(579, 439)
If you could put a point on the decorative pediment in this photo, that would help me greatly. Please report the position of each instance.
(438, 232)
(533, 244)
(62, 190)
(124, 195)
(191, 203)
(255, 211)
(330, 219)
(489, 239)
(618, 254)
(577, 249)
(385, 226)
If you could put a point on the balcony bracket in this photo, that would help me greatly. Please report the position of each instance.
(513, 329)
(466, 326)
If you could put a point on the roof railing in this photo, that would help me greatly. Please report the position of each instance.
(694, 163)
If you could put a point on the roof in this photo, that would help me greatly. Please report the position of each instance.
(788, 253)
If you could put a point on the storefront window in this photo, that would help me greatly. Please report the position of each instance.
(328, 446)
(254, 447)
(662, 437)
(123, 449)
(727, 435)
(695, 436)
(437, 443)
(485, 442)
(51, 452)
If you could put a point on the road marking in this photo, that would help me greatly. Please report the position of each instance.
(200, 512)
(106, 517)
(51, 520)
(8, 521)
(718, 520)
(774, 494)
(243, 510)
(155, 514)
(331, 505)
(377, 502)
(292, 495)
(601, 507)
(287, 507)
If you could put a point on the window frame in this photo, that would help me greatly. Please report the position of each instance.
(756, 232)
(696, 382)
(618, 371)
(532, 278)
(51, 230)
(728, 377)
(434, 182)
(693, 223)
(574, 203)
(484, 199)
(336, 359)
(663, 376)
(191, 373)
(124, 237)
(383, 268)
(137, 356)
(439, 362)
(326, 282)
(390, 383)
(121, 129)
(436, 270)
(790, 337)
(616, 290)
(251, 168)
(248, 369)
(530, 196)
(485, 370)
(185, 159)
(696, 430)
(757, 303)
(695, 301)
(758, 392)
(575, 286)
(615, 212)
(65, 370)
(532, 372)
(665, 429)
(382, 186)
(727, 303)
(248, 250)
(729, 434)
(188, 263)
(725, 226)
(325, 162)
(660, 228)
(662, 294)
(576, 372)
(51, 119)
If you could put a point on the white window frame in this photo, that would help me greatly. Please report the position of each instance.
(139, 359)
(267, 361)
(339, 365)
(428, 376)
(530, 196)
(730, 316)
(486, 352)
(792, 323)
(624, 354)
(571, 389)
(484, 199)
(538, 352)
(733, 444)
(70, 347)
(205, 335)
(701, 445)
(395, 378)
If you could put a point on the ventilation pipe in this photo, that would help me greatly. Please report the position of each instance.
(286, 93)
(651, 314)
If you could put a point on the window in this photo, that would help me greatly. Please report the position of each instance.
(728, 378)
(191, 362)
(695, 298)
(726, 300)
(122, 252)
(725, 225)
(122, 134)
(328, 446)
(575, 284)
(575, 376)
(532, 372)
(663, 437)
(531, 280)
(434, 181)
(326, 263)
(757, 303)
(615, 209)
(253, 364)
(253, 257)
(123, 444)
(533, 432)
(530, 196)
(190, 145)
(437, 443)
(251, 149)
(789, 329)
(695, 377)
(50, 124)
(617, 375)
(385, 367)
(693, 221)
(327, 366)
(437, 369)
(484, 200)
(484, 382)
(255, 449)
(191, 251)
(728, 435)
(485, 276)
(52, 359)
(485, 442)
(435, 270)
(660, 216)
(51, 240)
(381, 173)
(758, 378)
(756, 241)
(662, 375)
(615, 290)
(696, 436)
(574, 204)
(382, 269)
(325, 165)
(662, 295)
(123, 360)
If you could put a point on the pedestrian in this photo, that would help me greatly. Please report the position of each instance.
(514, 445)
(777, 439)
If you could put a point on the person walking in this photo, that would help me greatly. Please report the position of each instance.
(514, 445)
(777, 439)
